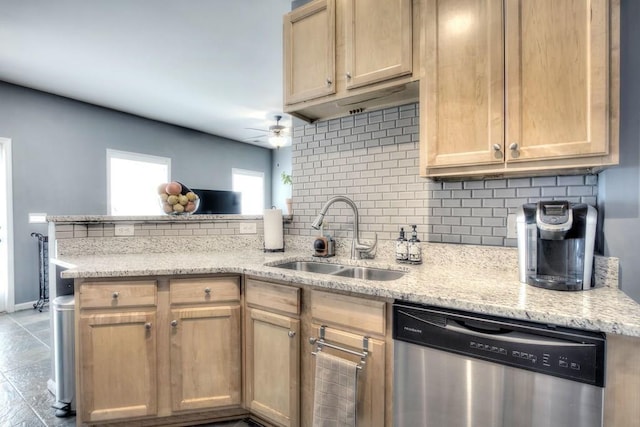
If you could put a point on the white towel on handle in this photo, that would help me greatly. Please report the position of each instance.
(334, 403)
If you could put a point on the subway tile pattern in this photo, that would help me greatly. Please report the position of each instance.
(159, 229)
(156, 237)
(373, 158)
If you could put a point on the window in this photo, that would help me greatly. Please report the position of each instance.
(132, 182)
(251, 185)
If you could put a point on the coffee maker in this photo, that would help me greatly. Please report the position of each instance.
(555, 244)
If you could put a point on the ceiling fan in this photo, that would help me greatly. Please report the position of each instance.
(278, 135)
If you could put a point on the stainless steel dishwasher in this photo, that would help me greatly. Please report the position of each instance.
(459, 369)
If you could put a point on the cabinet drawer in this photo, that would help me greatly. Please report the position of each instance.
(204, 290)
(118, 294)
(272, 297)
(353, 313)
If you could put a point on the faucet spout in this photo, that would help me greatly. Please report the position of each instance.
(357, 248)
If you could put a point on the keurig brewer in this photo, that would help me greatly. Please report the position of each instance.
(555, 244)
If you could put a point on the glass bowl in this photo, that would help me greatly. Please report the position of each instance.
(176, 198)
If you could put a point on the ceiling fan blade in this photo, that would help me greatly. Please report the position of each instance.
(252, 138)
(259, 130)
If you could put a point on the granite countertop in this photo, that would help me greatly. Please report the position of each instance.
(87, 219)
(466, 281)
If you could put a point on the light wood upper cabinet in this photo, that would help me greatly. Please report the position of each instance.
(513, 86)
(344, 55)
(557, 78)
(462, 89)
(309, 51)
(378, 41)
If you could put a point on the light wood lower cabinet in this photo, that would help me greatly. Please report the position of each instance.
(116, 350)
(118, 365)
(371, 394)
(180, 350)
(167, 348)
(205, 358)
(272, 352)
(622, 385)
(347, 321)
(205, 342)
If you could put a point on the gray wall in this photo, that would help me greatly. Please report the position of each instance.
(281, 163)
(59, 162)
(620, 186)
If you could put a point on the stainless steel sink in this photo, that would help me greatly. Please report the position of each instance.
(366, 273)
(369, 273)
(311, 266)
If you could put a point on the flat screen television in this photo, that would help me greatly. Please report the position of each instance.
(215, 202)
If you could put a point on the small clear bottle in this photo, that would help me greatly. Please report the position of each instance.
(415, 250)
(402, 248)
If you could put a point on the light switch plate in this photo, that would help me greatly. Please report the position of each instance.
(124, 230)
(248, 228)
(511, 227)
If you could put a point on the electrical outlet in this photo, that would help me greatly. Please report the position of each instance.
(512, 231)
(124, 230)
(247, 228)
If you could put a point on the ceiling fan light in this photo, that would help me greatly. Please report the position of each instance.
(277, 140)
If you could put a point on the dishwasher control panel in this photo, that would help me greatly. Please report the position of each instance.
(563, 352)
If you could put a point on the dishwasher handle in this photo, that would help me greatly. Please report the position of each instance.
(504, 334)
(482, 327)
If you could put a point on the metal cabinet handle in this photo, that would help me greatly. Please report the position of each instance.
(513, 146)
(115, 295)
(497, 147)
(174, 323)
(292, 334)
(147, 326)
(207, 291)
(329, 82)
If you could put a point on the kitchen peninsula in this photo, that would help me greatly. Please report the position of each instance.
(162, 267)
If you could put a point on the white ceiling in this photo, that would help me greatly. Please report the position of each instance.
(209, 65)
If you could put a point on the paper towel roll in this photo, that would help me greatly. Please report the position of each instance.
(273, 230)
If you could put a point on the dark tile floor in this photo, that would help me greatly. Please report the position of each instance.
(25, 367)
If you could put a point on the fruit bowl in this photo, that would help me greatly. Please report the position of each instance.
(177, 199)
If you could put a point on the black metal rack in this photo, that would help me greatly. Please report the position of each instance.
(43, 269)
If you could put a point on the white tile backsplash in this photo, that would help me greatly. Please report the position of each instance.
(373, 159)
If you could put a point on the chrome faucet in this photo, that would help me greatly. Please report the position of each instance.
(357, 248)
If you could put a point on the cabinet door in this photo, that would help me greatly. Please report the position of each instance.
(309, 51)
(371, 383)
(462, 89)
(378, 40)
(557, 78)
(205, 359)
(117, 366)
(273, 366)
